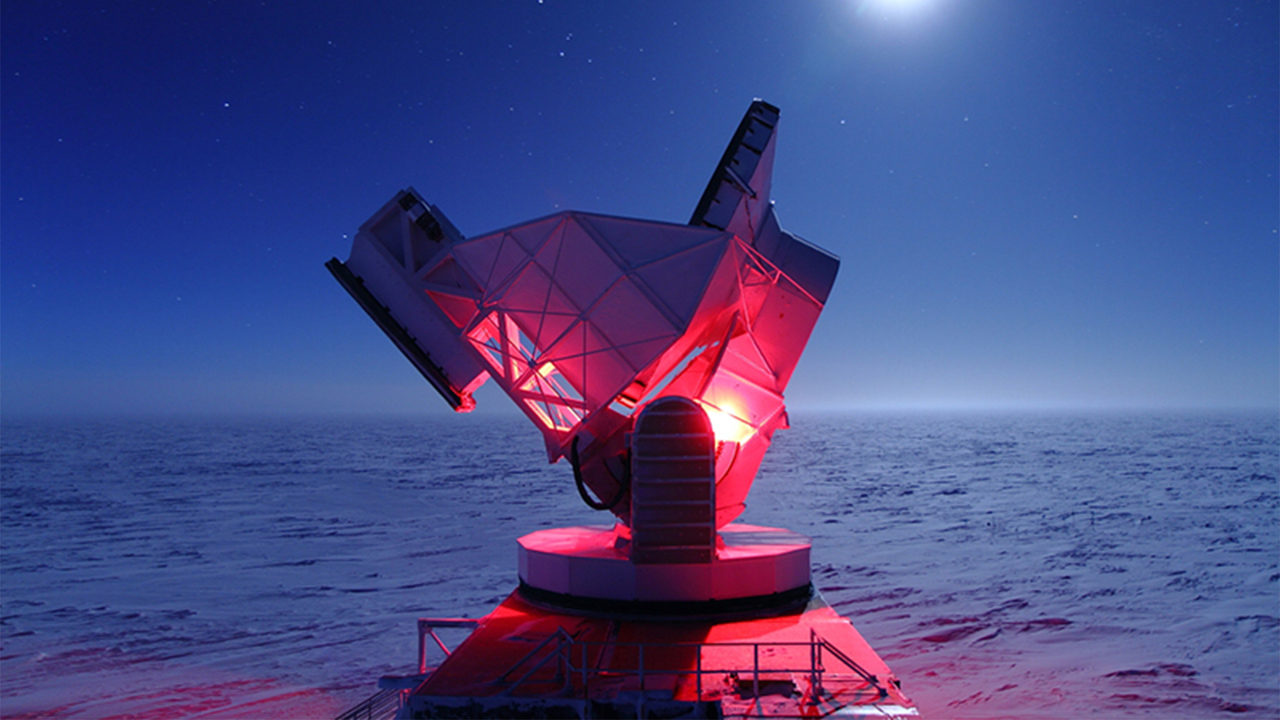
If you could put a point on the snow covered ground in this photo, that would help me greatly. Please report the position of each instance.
(1015, 566)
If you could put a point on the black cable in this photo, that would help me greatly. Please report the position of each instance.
(736, 448)
(623, 486)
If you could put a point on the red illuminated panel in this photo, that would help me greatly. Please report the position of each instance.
(585, 319)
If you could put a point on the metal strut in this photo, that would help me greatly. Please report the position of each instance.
(623, 485)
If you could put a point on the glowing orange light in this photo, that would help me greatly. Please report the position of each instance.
(726, 422)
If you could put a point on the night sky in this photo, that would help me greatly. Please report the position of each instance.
(1054, 204)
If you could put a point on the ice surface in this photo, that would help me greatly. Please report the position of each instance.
(1005, 567)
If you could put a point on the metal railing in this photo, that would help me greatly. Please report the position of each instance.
(571, 662)
(427, 628)
(570, 658)
(383, 704)
(387, 702)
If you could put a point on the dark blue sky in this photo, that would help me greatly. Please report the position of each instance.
(1062, 203)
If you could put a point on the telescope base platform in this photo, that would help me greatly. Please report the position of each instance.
(524, 660)
(579, 565)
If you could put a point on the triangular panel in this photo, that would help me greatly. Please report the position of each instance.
(532, 235)
(584, 270)
(680, 279)
(783, 326)
(511, 258)
(638, 242)
(448, 273)
(744, 358)
(629, 316)
(543, 328)
(642, 354)
(548, 254)
(460, 310)
(477, 255)
(530, 291)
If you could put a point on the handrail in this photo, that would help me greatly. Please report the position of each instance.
(563, 652)
(562, 639)
(378, 706)
(848, 661)
(562, 649)
(427, 627)
(387, 701)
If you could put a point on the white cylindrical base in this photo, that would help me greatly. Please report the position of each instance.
(588, 562)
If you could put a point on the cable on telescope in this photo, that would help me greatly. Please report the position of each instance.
(623, 485)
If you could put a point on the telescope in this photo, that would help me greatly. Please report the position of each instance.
(653, 357)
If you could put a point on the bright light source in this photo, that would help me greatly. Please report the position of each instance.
(901, 6)
(726, 426)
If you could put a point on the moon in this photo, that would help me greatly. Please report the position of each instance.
(902, 6)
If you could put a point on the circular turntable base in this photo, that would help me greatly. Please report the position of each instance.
(592, 563)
